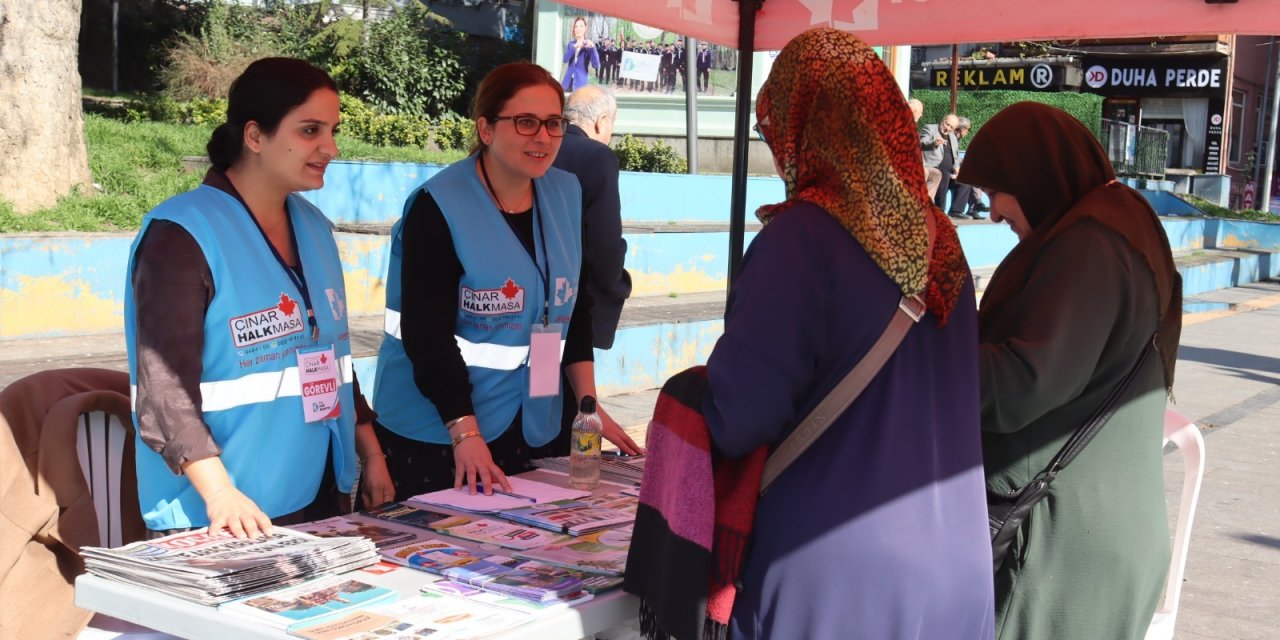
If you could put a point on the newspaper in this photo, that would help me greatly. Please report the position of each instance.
(215, 568)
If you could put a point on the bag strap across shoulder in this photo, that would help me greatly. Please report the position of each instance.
(909, 312)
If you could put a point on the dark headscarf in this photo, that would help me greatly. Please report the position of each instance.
(844, 139)
(1060, 175)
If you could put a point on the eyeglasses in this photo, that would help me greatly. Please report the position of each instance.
(528, 125)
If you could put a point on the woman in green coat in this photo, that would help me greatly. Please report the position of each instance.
(1068, 312)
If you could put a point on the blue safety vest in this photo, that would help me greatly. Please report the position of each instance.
(249, 388)
(500, 297)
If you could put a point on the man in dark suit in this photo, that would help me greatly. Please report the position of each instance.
(704, 67)
(585, 153)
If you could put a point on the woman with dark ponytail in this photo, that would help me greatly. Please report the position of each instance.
(246, 406)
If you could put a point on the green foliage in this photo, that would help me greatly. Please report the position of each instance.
(1215, 211)
(403, 69)
(364, 123)
(455, 133)
(162, 108)
(137, 165)
(980, 106)
(658, 157)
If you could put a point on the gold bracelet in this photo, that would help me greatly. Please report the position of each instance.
(463, 436)
(455, 422)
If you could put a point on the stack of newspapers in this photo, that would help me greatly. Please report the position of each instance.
(627, 470)
(212, 569)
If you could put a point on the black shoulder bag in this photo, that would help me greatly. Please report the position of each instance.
(1007, 511)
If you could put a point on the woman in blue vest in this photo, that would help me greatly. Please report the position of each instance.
(235, 318)
(483, 297)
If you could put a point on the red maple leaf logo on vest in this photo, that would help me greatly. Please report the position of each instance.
(510, 289)
(324, 358)
(286, 305)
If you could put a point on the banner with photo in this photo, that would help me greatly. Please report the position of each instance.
(637, 58)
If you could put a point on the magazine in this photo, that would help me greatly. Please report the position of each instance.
(340, 526)
(620, 501)
(600, 552)
(488, 530)
(430, 554)
(574, 517)
(427, 615)
(215, 568)
(322, 597)
(614, 467)
(407, 514)
(535, 586)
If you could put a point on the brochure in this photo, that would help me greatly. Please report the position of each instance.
(313, 599)
(488, 530)
(427, 615)
(600, 552)
(407, 514)
(575, 517)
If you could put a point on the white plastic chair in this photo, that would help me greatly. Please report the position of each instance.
(100, 441)
(100, 445)
(1179, 430)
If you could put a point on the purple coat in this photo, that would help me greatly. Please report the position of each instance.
(879, 530)
(576, 72)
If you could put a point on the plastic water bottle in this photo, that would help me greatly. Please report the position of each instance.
(584, 448)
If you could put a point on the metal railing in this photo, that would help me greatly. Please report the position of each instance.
(1135, 151)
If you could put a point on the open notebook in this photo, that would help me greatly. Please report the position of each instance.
(523, 494)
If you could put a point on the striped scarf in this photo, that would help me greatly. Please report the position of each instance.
(694, 520)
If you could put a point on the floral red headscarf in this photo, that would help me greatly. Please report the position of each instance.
(844, 139)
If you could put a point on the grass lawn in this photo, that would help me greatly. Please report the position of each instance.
(136, 166)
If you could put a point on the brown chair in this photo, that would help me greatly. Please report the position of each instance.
(66, 481)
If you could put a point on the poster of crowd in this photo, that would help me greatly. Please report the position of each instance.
(629, 57)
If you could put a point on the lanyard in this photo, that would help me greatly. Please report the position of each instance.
(295, 274)
(544, 273)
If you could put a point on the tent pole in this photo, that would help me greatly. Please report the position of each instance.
(741, 116)
(691, 102)
(1271, 143)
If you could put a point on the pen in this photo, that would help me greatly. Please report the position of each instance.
(500, 492)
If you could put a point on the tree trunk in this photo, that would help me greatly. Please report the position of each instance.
(42, 148)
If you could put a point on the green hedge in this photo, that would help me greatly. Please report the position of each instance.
(980, 106)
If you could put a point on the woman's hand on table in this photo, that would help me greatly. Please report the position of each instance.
(472, 461)
(228, 508)
(376, 487)
(613, 433)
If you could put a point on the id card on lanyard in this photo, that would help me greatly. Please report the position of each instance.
(320, 379)
(544, 360)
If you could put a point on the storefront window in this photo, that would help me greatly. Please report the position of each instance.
(1238, 100)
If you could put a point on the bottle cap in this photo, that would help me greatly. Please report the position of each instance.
(588, 404)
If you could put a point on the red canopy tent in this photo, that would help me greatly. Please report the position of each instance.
(751, 25)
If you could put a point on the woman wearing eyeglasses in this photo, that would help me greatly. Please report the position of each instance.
(482, 299)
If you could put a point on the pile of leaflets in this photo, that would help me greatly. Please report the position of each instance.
(626, 470)
(212, 569)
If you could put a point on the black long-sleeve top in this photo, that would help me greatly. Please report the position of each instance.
(429, 274)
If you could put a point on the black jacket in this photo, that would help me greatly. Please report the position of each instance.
(604, 250)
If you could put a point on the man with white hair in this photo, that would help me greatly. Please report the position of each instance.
(941, 151)
(932, 177)
(585, 153)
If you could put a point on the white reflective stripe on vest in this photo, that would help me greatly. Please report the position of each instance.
(252, 389)
(391, 323)
(495, 356)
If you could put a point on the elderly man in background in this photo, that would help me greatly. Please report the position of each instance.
(585, 153)
(941, 151)
(932, 177)
(963, 195)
